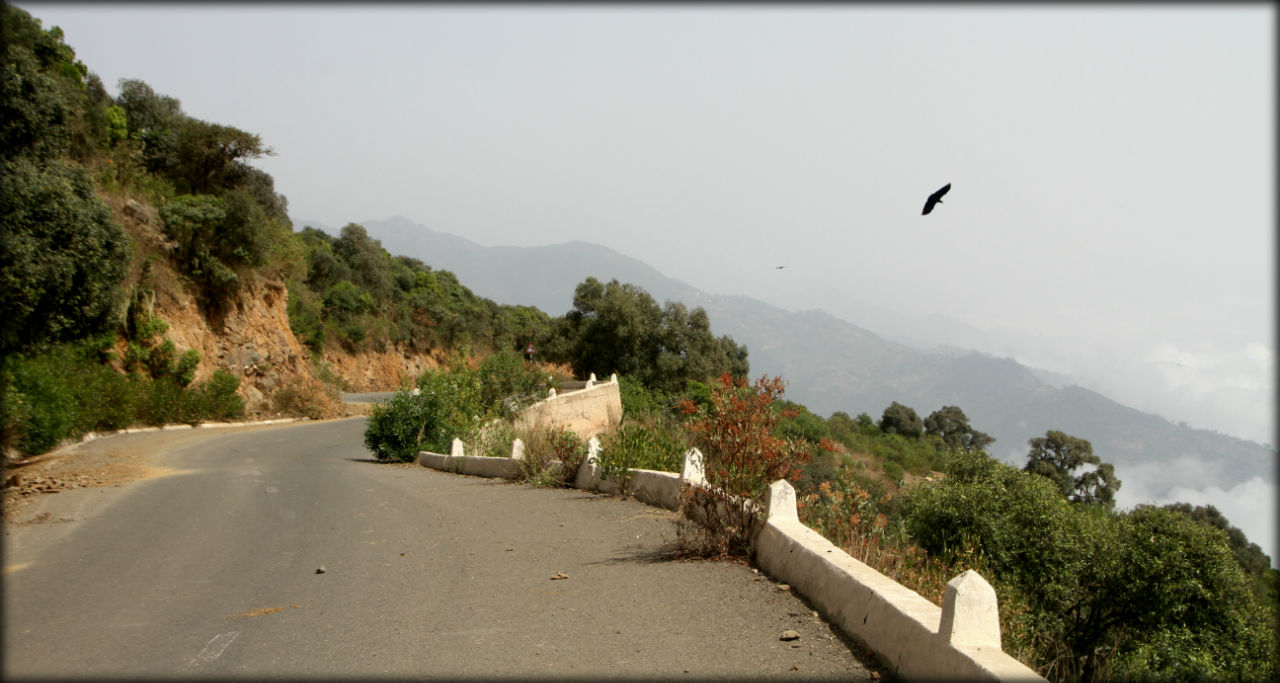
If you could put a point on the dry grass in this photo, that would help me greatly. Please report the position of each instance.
(552, 455)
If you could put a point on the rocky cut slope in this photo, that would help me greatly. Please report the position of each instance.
(251, 338)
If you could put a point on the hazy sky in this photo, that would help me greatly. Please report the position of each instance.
(1111, 214)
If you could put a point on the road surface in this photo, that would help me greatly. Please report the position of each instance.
(208, 568)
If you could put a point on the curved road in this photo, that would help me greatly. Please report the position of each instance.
(211, 571)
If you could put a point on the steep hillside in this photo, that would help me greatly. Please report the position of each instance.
(252, 338)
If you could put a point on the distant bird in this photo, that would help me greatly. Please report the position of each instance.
(780, 267)
(935, 198)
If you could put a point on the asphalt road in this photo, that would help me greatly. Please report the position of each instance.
(211, 571)
(369, 397)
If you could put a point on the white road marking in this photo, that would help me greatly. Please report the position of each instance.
(214, 648)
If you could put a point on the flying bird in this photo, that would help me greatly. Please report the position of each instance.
(935, 198)
(779, 267)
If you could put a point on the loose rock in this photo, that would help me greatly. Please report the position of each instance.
(790, 635)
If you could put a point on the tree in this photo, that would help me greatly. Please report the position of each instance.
(40, 88)
(61, 256)
(1057, 456)
(951, 425)
(1251, 558)
(207, 154)
(900, 419)
(369, 263)
(1148, 593)
(1182, 599)
(152, 120)
(619, 328)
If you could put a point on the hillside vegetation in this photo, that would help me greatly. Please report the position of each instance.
(120, 211)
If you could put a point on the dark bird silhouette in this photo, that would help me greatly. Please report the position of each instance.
(780, 267)
(935, 198)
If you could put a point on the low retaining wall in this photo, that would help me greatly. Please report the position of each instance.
(459, 462)
(959, 641)
(589, 412)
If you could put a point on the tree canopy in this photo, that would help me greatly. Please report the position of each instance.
(1056, 456)
(618, 327)
(900, 419)
(61, 253)
(950, 424)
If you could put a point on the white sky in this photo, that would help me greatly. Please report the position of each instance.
(1112, 208)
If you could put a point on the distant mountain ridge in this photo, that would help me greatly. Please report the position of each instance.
(833, 365)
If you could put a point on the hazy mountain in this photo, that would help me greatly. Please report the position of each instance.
(831, 364)
(532, 276)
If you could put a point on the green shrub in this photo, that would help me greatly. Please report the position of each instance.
(1093, 592)
(41, 400)
(216, 398)
(508, 383)
(108, 400)
(638, 400)
(61, 256)
(306, 317)
(893, 470)
(449, 405)
(645, 445)
(163, 402)
(396, 428)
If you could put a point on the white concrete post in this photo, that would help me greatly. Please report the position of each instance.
(970, 613)
(552, 393)
(517, 449)
(692, 472)
(613, 378)
(780, 502)
(457, 449)
(591, 381)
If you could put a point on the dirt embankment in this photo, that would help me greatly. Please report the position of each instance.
(251, 338)
(378, 371)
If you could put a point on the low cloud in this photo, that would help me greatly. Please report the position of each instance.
(1225, 388)
(1251, 505)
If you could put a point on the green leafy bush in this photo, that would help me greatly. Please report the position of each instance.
(449, 404)
(67, 392)
(648, 445)
(61, 256)
(397, 427)
(216, 397)
(306, 317)
(1086, 593)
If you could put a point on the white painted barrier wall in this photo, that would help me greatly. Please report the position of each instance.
(959, 641)
(590, 411)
